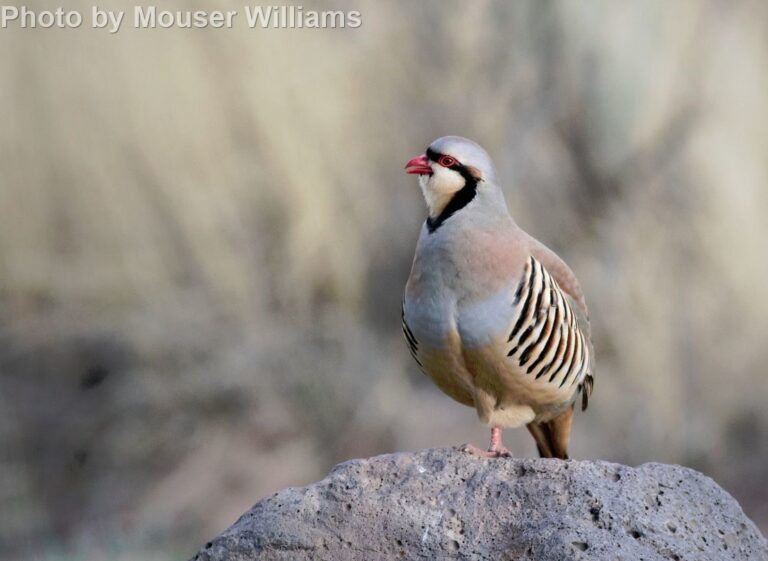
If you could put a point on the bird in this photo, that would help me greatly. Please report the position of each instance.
(496, 319)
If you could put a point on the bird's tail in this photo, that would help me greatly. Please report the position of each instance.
(552, 436)
(586, 390)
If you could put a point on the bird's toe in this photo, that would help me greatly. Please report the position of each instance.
(473, 450)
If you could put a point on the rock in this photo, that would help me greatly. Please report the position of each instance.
(445, 504)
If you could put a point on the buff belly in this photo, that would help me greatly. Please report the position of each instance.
(482, 377)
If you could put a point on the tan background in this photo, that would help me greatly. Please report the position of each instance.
(204, 237)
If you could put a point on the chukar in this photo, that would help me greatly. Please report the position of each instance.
(496, 319)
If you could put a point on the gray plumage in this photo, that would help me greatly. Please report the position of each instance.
(497, 320)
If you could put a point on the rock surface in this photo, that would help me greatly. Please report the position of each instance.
(445, 504)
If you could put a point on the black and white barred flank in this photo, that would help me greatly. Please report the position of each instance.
(413, 344)
(546, 340)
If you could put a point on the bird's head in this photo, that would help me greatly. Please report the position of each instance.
(450, 166)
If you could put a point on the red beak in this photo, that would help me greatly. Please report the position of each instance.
(419, 165)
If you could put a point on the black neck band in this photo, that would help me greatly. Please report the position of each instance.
(460, 199)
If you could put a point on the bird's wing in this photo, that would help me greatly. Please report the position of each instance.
(562, 273)
(548, 338)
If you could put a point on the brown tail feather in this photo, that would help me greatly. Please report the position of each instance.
(552, 437)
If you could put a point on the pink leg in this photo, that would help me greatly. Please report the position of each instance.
(496, 449)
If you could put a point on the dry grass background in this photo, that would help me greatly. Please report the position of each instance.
(204, 237)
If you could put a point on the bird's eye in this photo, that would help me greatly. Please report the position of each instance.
(446, 161)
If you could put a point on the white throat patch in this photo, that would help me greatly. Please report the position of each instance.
(438, 189)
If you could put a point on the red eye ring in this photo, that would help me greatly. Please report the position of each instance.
(447, 161)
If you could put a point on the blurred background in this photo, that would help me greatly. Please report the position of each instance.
(204, 235)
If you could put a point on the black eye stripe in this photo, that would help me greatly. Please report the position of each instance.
(435, 157)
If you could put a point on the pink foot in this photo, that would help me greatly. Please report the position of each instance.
(500, 452)
(496, 450)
